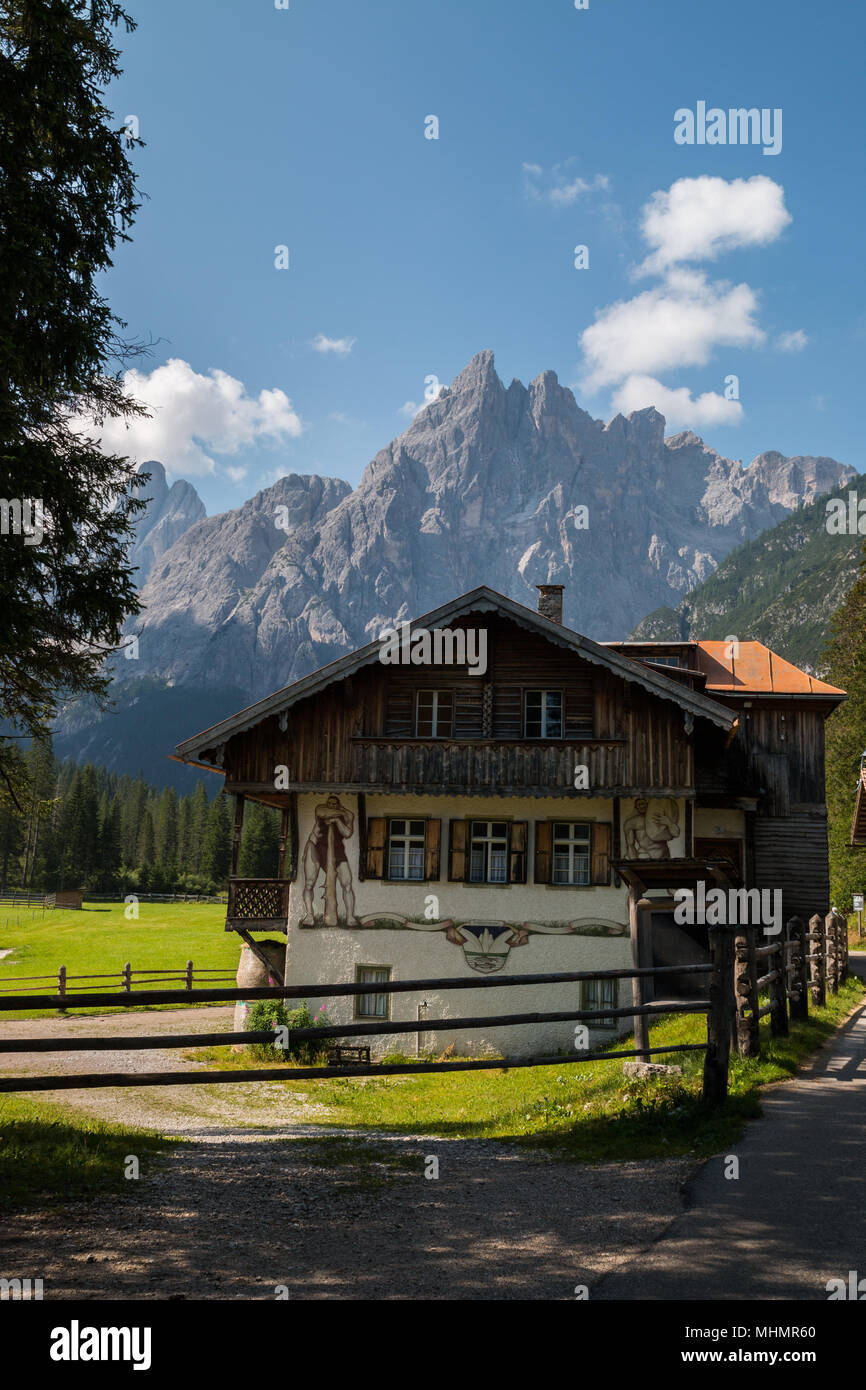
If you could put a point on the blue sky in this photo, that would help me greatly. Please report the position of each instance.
(305, 128)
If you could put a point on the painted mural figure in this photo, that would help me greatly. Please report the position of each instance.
(649, 830)
(325, 852)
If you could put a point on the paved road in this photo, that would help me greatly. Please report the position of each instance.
(796, 1216)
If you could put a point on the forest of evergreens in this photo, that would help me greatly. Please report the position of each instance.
(84, 827)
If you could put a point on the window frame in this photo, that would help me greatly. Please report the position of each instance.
(359, 998)
(587, 1003)
(436, 692)
(544, 692)
(489, 840)
(587, 826)
(408, 838)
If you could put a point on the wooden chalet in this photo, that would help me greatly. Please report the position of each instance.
(436, 816)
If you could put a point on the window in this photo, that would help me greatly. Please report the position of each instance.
(571, 853)
(435, 714)
(600, 994)
(543, 714)
(488, 859)
(406, 849)
(371, 1005)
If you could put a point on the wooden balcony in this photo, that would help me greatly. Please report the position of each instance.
(486, 767)
(258, 904)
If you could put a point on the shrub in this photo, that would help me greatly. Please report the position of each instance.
(272, 1014)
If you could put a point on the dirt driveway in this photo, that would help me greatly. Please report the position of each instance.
(261, 1200)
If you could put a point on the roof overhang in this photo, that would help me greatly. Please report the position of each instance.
(480, 600)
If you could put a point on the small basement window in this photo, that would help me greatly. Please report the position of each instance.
(373, 1005)
(600, 994)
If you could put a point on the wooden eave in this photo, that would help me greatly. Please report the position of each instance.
(480, 600)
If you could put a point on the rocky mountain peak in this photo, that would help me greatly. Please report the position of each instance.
(487, 485)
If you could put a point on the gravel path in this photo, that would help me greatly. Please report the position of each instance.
(261, 1197)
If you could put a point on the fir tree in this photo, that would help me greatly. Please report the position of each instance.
(846, 741)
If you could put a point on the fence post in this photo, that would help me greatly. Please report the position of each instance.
(779, 994)
(127, 977)
(796, 933)
(843, 943)
(189, 974)
(746, 993)
(816, 951)
(832, 953)
(61, 982)
(720, 1018)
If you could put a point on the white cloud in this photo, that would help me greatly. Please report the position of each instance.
(698, 219)
(560, 187)
(340, 346)
(192, 415)
(410, 409)
(236, 475)
(676, 404)
(677, 324)
(792, 342)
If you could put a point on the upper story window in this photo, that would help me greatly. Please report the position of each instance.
(488, 859)
(542, 714)
(571, 853)
(406, 842)
(434, 714)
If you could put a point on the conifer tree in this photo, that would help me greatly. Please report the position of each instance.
(846, 741)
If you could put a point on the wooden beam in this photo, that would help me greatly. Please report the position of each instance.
(362, 836)
(206, 1078)
(237, 833)
(273, 970)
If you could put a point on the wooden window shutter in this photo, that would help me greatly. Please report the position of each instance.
(601, 852)
(432, 837)
(458, 859)
(517, 852)
(377, 835)
(543, 851)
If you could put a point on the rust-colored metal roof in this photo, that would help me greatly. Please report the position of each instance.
(739, 668)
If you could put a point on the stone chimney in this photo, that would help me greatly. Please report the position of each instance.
(550, 601)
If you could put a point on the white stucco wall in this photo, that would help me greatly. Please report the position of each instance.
(322, 954)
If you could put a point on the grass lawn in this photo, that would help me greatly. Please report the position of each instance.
(99, 940)
(587, 1111)
(46, 1156)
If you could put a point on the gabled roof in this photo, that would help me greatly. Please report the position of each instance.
(480, 600)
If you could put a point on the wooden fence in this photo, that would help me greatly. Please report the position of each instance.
(739, 973)
(804, 963)
(718, 1007)
(126, 978)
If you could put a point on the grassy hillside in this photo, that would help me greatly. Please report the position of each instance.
(779, 589)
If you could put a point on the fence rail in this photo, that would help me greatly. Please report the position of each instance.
(127, 977)
(804, 963)
(718, 1009)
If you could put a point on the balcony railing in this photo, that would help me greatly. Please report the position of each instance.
(485, 765)
(258, 904)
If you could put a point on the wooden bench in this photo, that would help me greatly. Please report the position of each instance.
(338, 1055)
